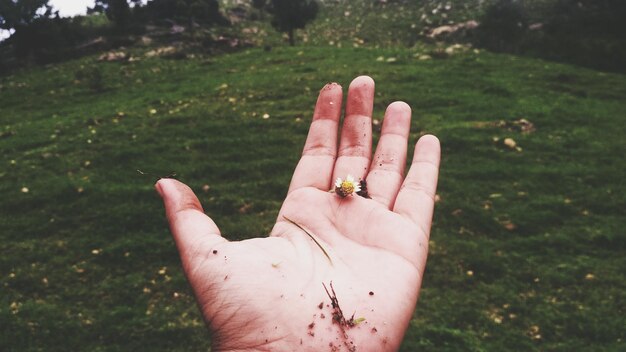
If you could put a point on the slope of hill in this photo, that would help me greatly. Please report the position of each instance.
(527, 246)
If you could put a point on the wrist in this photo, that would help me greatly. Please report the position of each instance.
(322, 333)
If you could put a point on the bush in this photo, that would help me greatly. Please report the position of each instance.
(597, 18)
(586, 32)
(503, 26)
(47, 39)
(290, 15)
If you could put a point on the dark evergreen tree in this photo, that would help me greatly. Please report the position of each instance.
(599, 18)
(290, 15)
(261, 7)
(259, 4)
(32, 23)
(16, 14)
(503, 26)
(117, 11)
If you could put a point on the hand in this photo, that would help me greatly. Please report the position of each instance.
(271, 293)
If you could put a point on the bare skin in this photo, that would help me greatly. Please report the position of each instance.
(264, 294)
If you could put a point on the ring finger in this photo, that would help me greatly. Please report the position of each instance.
(387, 169)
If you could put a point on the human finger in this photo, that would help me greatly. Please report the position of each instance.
(387, 168)
(320, 149)
(355, 146)
(194, 232)
(416, 198)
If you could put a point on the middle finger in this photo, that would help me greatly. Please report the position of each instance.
(355, 146)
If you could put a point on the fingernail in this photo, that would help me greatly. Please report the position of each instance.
(158, 188)
(330, 85)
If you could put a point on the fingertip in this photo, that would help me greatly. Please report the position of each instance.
(157, 187)
(177, 196)
(332, 86)
(428, 140)
(331, 94)
(428, 149)
(397, 120)
(361, 97)
(399, 106)
(362, 81)
(165, 187)
(328, 106)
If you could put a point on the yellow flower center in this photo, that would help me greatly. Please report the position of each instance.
(347, 187)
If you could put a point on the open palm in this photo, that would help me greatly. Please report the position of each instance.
(336, 273)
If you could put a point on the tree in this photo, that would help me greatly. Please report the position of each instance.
(16, 14)
(117, 11)
(587, 32)
(40, 36)
(599, 18)
(259, 4)
(503, 26)
(290, 15)
(206, 11)
(261, 7)
(29, 19)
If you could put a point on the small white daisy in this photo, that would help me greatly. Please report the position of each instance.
(346, 187)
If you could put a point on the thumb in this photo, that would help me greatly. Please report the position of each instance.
(194, 232)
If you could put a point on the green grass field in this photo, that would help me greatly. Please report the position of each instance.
(527, 247)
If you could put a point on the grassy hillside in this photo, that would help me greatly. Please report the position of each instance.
(361, 23)
(527, 244)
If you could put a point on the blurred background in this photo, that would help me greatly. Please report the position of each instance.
(98, 99)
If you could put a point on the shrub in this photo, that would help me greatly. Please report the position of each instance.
(290, 15)
(47, 39)
(503, 26)
(585, 32)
